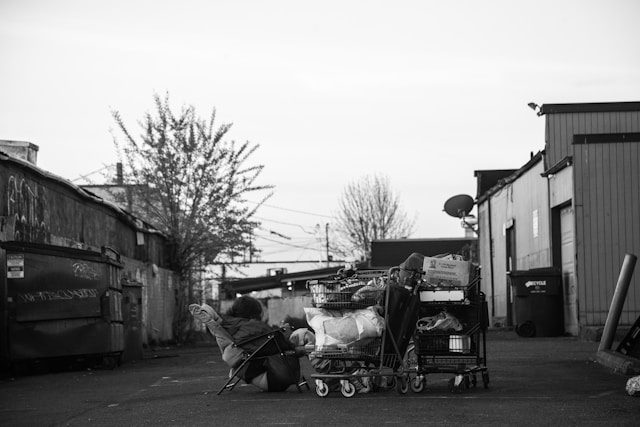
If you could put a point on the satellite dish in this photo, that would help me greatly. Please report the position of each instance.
(459, 206)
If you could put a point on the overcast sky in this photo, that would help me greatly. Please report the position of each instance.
(424, 92)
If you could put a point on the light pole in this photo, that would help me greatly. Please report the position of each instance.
(326, 230)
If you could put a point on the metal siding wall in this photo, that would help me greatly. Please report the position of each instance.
(607, 190)
(581, 237)
(530, 193)
(499, 216)
(632, 218)
(559, 137)
(158, 299)
(50, 212)
(561, 187)
(484, 251)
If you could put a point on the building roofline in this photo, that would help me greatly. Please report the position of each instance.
(589, 107)
(81, 192)
(535, 159)
(426, 239)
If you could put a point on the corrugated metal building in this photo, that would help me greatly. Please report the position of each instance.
(575, 206)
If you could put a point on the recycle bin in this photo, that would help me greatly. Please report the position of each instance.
(537, 302)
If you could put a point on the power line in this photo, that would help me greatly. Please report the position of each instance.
(85, 176)
(293, 210)
(284, 223)
(282, 243)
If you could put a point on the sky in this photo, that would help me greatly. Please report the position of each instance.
(423, 92)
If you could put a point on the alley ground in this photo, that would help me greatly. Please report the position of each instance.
(533, 381)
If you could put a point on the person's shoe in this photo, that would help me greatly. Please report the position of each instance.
(361, 383)
(204, 313)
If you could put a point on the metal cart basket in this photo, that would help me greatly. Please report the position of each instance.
(373, 364)
(460, 351)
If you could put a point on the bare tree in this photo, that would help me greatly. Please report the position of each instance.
(370, 210)
(190, 184)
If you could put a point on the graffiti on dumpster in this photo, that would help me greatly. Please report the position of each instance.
(84, 271)
(62, 294)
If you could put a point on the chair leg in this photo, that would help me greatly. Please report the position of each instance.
(233, 377)
(228, 384)
(247, 360)
(302, 382)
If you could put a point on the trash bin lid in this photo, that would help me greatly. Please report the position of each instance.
(536, 272)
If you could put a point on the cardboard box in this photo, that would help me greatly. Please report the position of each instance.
(432, 296)
(446, 272)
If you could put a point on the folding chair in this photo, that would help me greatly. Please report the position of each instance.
(270, 344)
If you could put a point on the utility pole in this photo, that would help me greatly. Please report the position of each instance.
(326, 228)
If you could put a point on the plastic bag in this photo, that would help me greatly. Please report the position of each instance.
(443, 321)
(633, 386)
(333, 327)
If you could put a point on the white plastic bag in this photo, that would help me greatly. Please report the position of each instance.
(443, 321)
(633, 386)
(334, 327)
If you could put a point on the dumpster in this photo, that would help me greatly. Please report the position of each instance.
(537, 302)
(62, 302)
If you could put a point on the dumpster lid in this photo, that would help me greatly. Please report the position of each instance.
(543, 271)
(107, 255)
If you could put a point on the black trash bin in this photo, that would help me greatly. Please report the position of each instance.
(537, 302)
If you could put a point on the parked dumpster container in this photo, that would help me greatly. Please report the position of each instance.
(63, 302)
(537, 302)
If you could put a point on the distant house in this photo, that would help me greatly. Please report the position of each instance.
(574, 206)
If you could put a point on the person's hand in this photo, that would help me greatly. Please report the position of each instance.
(301, 337)
(286, 329)
(204, 313)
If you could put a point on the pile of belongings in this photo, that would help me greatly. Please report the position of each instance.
(443, 321)
(345, 290)
(344, 327)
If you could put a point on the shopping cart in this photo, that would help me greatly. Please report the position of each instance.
(459, 352)
(373, 364)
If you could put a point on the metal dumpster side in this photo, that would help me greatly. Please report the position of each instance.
(62, 302)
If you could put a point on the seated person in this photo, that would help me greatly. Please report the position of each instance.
(243, 321)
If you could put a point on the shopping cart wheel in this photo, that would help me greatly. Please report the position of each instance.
(403, 384)
(485, 379)
(348, 389)
(322, 389)
(388, 382)
(417, 384)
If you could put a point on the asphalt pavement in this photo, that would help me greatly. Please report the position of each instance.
(533, 381)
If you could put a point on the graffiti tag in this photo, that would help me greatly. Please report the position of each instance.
(84, 271)
(27, 205)
(62, 294)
